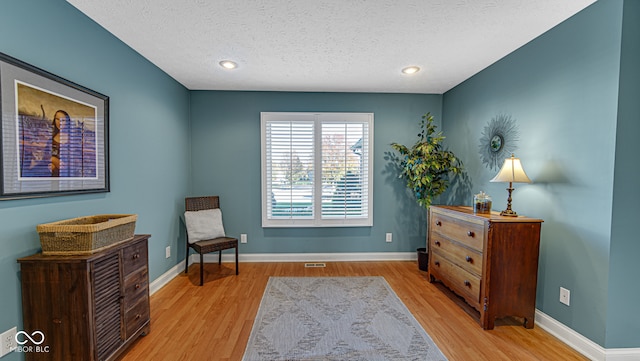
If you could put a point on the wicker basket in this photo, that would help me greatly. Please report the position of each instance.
(86, 235)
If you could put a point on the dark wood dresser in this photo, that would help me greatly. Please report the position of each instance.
(489, 260)
(88, 307)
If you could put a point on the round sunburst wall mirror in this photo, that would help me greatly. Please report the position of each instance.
(498, 140)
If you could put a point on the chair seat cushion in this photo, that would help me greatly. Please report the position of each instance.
(203, 225)
(217, 244)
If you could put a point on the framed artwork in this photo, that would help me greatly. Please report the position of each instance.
(54, 135)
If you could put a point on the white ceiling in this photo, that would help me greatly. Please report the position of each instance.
(326, 45)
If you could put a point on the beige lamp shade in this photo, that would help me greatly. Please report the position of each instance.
(511, 171)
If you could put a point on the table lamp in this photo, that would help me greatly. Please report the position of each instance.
(511, 172)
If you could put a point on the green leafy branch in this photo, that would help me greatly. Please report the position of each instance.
(426, 165)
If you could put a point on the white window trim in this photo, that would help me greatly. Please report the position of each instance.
(318, 119)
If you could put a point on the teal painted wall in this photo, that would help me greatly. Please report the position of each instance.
(225, 150)
(577, 144)
(562, 89)
(623, 322)
(148, 128)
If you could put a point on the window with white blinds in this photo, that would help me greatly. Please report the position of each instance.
(317, 169)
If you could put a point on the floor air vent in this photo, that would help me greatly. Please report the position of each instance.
(314, 265)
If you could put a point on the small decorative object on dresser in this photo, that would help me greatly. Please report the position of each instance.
(481, 203)
(87, 307)
(489, 260)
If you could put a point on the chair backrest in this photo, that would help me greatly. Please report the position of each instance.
(201, 203)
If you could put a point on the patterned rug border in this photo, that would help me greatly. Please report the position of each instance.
(432, 352)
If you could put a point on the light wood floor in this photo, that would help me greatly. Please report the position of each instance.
(213, 322)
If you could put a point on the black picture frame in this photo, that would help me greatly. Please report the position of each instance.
(54, 136)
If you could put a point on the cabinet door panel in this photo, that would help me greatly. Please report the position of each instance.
(108, 305)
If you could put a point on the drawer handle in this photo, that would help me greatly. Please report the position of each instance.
(438, 223)
(57, 321)
(467, 283)
(137, 286)
(136, 256)
(138, 316)
(437, 263)
(470, 234)
(468, 259)
(437, 243)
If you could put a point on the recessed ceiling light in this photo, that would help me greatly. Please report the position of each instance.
(411, 70)
(228, 64)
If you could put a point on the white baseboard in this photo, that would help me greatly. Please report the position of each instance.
(565, 334)
(622, 354)
(308, 257)
(164, 278)
(328, 257)
(582, 344)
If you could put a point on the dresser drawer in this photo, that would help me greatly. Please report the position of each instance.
(466, 258)
(134, 257)
(136, 287)
(463, 231)
(137, 316)
(460, 281)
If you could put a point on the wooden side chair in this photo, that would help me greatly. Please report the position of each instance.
(205, 231)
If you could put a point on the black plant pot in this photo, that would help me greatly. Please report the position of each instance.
(423, 259)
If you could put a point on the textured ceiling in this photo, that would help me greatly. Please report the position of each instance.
(326, 45)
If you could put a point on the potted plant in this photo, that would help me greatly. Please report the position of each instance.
(426, 165)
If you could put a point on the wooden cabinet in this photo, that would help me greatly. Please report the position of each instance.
(88, 307)
(489, 260)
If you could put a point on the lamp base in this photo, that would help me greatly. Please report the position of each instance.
(509, 213)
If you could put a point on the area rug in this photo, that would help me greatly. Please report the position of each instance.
(336, 318)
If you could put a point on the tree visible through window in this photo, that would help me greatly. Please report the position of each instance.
(316, 169)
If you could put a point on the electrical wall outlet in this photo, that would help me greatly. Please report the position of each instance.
(243, 238)
(167, 252)
(389, 238)
(565, 296)
(8, 339)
